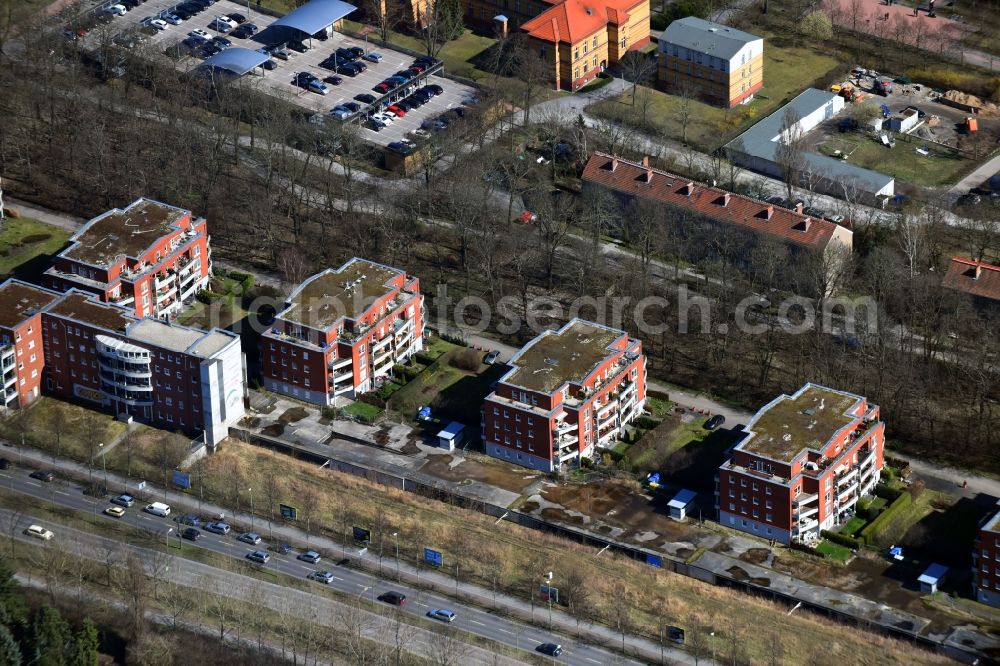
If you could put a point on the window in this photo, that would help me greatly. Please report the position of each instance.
(305, 356)
(306, 381)
(767, 491)
(732, 507)
(768, 505)
(595, 62)
(584, 49)
(595, 46)
(743, 483)
(576, 54)
(769, 517)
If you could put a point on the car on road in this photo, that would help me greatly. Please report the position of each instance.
(218, 527)
(123, 500)
(393, 598)
(310, 556)
(259, 556)
(715, 422)
(442, 614)
(251, 538)
(281, 548)
(191, 534)
(675, 635)
(39, 532)
(115, 511)
(374, 56)
(551, 649)
(4, 463)
(492, 357)
(322, 576)
(42, 475)
(188, 519)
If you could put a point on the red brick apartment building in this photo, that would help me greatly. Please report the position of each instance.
(802, 465)
(568, 393)
(986, 562)
(74, 346)
(978, 279)
(148, 256)
(341, 332)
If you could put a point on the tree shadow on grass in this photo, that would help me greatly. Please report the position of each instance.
(463, 400)
(699, 461)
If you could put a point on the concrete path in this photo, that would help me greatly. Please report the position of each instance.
(61, 220)
(978, 175)
(950, 480)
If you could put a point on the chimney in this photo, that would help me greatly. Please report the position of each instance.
(979, 270)
(799, 207)
(645, 161)
(614, 164)
(649, 175)
(688, 189)
(768, 212)
(805, 224)
(725, 199)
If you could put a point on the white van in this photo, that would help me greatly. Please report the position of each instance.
(158, 509)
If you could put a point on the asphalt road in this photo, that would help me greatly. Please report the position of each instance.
(346, 579)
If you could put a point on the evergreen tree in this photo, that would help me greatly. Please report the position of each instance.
(11, 600)
(85, 651)
(51, 639)
(10, 653)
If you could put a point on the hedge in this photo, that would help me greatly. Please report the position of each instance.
(206, 296)
(645, 423)
(891, 494)
(842, 539)
(874, 528)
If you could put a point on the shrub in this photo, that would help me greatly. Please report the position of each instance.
(465, 359)
(886, 492)
(645, 423)
(586, 463)
(327, 412)
(842, 539)
(870, 535)
(206, 296)
(803, 548)
(917, 488)
(423, 358)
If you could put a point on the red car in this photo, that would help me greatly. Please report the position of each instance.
(395, 109)
(416, 69)
(382, 87)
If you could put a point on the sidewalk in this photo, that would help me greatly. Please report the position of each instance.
(439, 582)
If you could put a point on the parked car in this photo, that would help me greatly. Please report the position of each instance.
(116, 10)
(373, 57)
(310, 556)
(442, 614)
(394, 108)
(401, 147)
(237, 18)
(222, 24)
(259, 556)
(251, 538)
(199, 33)
(419, 135)
(43, 475)
(375, 124)
(156, 23)
(123, 500)
(394, 598)
(382, 87)
(492, 357)
(714, 422)
(309, 82)
(4, 463)
(170, 18)
(218, 527)
(39, 532)
(191, 534)
(280, 52)
(347, 70)
(114, 511)
(435, 88)
(814, 212)
(245, 31)
(340, 112)
(345, 55)
(322, 576)
(297, 45)
(551, 649)
(353, 107)
(333, 80)
(221, 41)
(269, 64)
(365, 98)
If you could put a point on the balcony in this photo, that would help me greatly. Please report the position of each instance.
(339, 363)
(337, 378)
(378, 344)
(122, 382)
(805, 513)
(803, 500)
(807, 526)
(136, 370)
(162, 281)
(165, 294)
(845, 479)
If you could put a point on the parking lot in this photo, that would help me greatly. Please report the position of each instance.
(279, 81)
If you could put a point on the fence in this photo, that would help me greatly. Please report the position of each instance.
(428, 486)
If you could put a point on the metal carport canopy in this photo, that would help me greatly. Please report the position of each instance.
(315, 15)
(237, 60)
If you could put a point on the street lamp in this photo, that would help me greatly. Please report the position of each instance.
(166, 536)
(711, 642)
(395, 535)
(250, 490)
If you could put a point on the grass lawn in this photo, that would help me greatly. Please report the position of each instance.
(363, 411)
(903, 162)
(149, 448)
(27, 244)
(787, 71)
(451, 392)
(75, 427)
(663, 441)
(853, 526)
(833, 551)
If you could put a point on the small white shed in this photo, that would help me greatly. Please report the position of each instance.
(680, 504)
(452, 436)
(931, 578)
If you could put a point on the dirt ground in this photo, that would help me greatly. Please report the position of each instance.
(486, 470)
(614, 503)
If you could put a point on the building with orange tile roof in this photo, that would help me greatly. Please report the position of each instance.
(978, 279)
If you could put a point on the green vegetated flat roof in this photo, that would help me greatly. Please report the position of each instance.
(557, 357)
(793, 423)
(123, 232)
(19, 301)
(332, 294)
(78, 306)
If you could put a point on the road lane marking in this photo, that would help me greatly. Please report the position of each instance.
(477, 622)
(592, 660)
